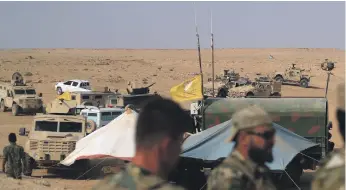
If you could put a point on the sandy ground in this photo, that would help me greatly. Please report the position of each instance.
(113, 68)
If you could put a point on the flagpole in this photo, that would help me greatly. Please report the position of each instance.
(212, 50)
(199, 49)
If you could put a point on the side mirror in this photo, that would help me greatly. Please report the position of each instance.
(23, 132)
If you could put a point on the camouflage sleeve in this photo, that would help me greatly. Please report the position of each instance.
(5, 153)
(224, 178)
(22, 153)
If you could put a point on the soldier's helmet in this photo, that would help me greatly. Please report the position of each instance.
(247, 118)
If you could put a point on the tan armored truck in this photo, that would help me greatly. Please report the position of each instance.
(294, 75)
(52, 136)
(258, 89)
(20, 97)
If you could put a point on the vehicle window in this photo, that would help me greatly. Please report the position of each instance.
(51, 126)
(98, 97)
(68, 83)
(74, 83)
(85, 97)
(30, 91)
(72, 127)
(73, 97)
(19, 91)
(84, 114)
(116, 114)
(86, 84)
(92, 114)
(114, 101)
(106, 116)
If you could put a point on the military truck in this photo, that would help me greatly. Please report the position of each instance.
(52, 136)
(20, 97)
(294, 75)
(307, 117)
(136, 97)
(260, 89)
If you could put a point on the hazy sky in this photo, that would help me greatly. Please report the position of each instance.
(171, 24)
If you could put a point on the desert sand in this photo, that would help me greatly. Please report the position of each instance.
(113, 68)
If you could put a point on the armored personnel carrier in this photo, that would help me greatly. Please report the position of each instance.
(259, 89)
(135, 97)
(19, 97)
(52, 136)
(294, 75)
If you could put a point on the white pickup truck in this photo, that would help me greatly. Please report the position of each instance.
(72, 86)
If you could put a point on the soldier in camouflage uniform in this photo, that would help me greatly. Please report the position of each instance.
(245, 168)
(159, 135)
(331, 174)
(13, 158)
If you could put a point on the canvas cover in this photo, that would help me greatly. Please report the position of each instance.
(116, 139)
(211, 144)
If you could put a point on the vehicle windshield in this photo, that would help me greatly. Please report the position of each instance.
(114, 101)
(109, 116)
(28, 91)
(71, 127)
(50, 126)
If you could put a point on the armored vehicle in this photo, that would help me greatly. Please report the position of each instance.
(307, 117)
(293, 75)
(52, 136)
(20, 97)
(261, 89)
(227, 76)
(87, 98)
(136, 97)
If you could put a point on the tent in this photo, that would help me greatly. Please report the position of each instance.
(211, 145)
(117, 140)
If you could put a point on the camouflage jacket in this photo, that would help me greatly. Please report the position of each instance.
(236, 173)
(13, 156)
(331, 174)
(133, 178)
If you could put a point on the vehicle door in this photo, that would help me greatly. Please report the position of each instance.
(66, 86)
(9, 98)
(106, 117)
(74, 86)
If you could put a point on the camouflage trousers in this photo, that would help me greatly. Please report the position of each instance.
(14, 172)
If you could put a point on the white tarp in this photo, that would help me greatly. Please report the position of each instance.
(116, 139)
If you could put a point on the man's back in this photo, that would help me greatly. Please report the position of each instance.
(331, 174)
(236, 173)
(133, 178)
(13, 154)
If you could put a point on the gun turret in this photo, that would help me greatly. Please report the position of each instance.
(136, 91)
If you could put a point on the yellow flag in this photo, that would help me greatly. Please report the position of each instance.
(65, 96)
(188, 90)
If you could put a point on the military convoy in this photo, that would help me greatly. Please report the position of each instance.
(294, 75)
(19, 97)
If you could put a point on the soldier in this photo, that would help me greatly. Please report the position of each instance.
(245, 168)
(13, 154)
(331, 174)
(159, 135)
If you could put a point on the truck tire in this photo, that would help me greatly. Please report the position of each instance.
(59, 91)
(279, 78)
(91, 126)
(15, 109)
(2, 106)
(304, 83)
